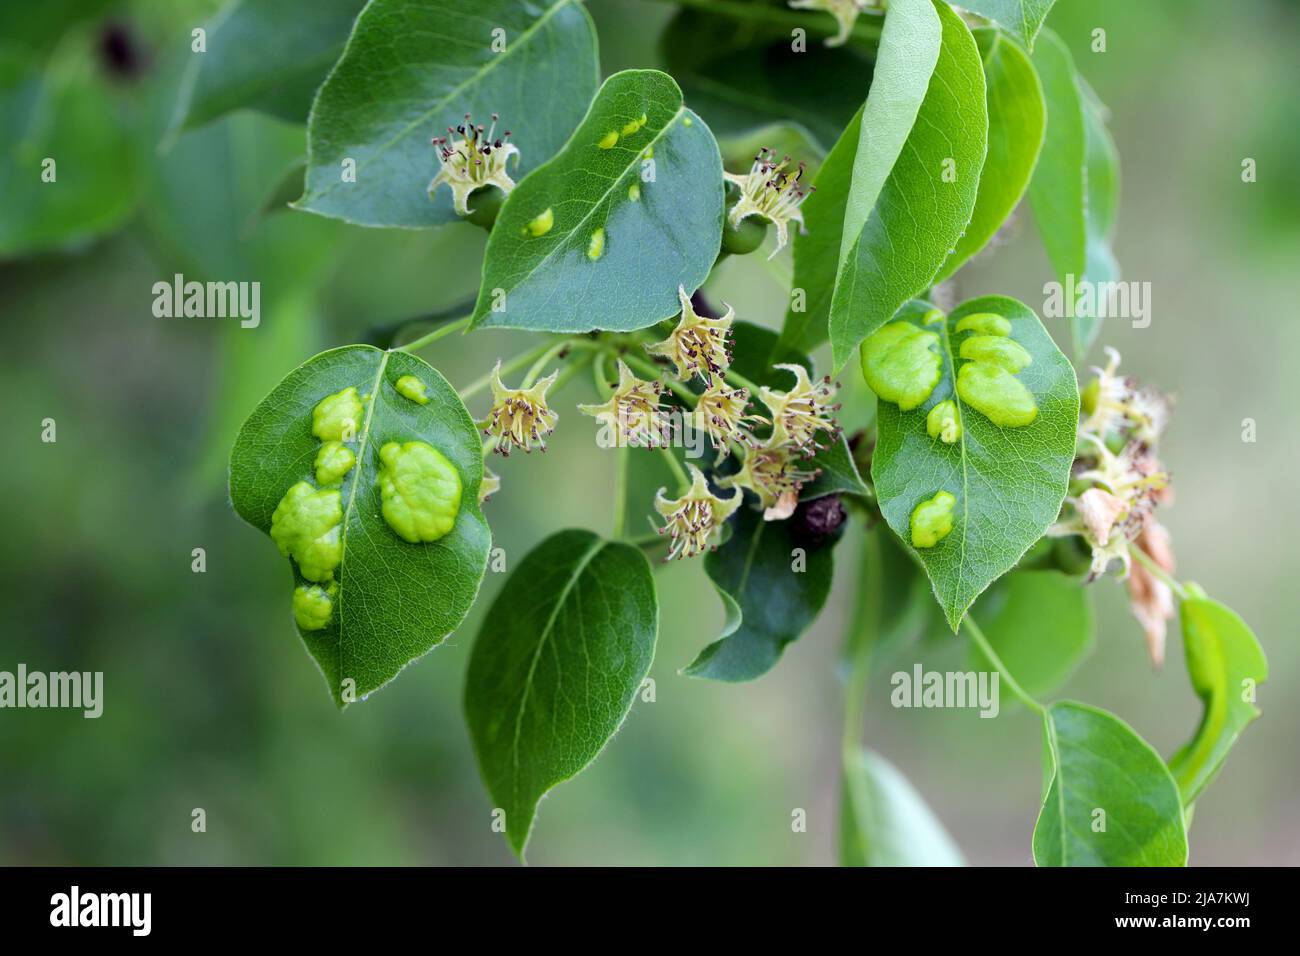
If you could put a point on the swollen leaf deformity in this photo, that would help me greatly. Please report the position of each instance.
(381, 600)
(333, 462)
(419, 490)
(411, 387)
(313, 606)
(306, 527)
(338, 417)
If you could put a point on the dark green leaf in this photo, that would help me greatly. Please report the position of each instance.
(1008, 481)
(837, 472)
(1024, 18)
(916, 172)
(64, 115)
(773, 584)
(1110, 800)
(414, 67)
(560, 655)
(1040, 624)
(743, 76)
(632, 209)
(885, 822)
(394, 600)
(1017, 120)
(1226, 665)
(268, 55)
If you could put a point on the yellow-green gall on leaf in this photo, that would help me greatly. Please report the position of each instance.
(609, 140)
(338, 417)
(942, 422)
(333, 462)
(541, 224)
(1000, 396)
(996, 350)
(419, 491)
(634, 126)
(313, 606)
(900, 364)
(305, 526)
(932, 520)
(985, 323)
(411, 387)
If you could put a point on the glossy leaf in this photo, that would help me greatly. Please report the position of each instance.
(1023, 18)
(817, 246)
(395, 600)
(63, 114)
(773, 584)
(885, 822)
(414, 67)
(745, 77)
(1073, 189)
(268, 55)
(1007, 482)
(1110, 800)
(914, 183)
(602, 235)
(1101, 178)
(1226, 665)
(1017, 121)
(1040, 623)
(561, 653)
(837, 472)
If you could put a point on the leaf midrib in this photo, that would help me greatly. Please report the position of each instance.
(362, 444)
(441, 104)
(961, 443)
(597, 546)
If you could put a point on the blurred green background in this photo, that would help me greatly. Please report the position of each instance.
(210, 700)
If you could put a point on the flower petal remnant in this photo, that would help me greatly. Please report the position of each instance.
(695, 519)
(473, 161)
(520, 417)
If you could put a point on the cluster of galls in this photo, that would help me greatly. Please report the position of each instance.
(1116, 485)
(699, 351)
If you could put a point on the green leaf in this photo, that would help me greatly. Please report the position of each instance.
(394, 600)
(601, 236)
(885, 822)
(561, 653)
(414, 67)
(1110, 800)
(1040, 623)
(773, 584)
(838, 473)
(743, 77)
(1101, 178)
(1017, 121)
(267, 55)
(1226, 665)
(1073, 191)
(817, 246)
(63, 114)
(1024, 18)
(1007, 480)
(916, 171)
